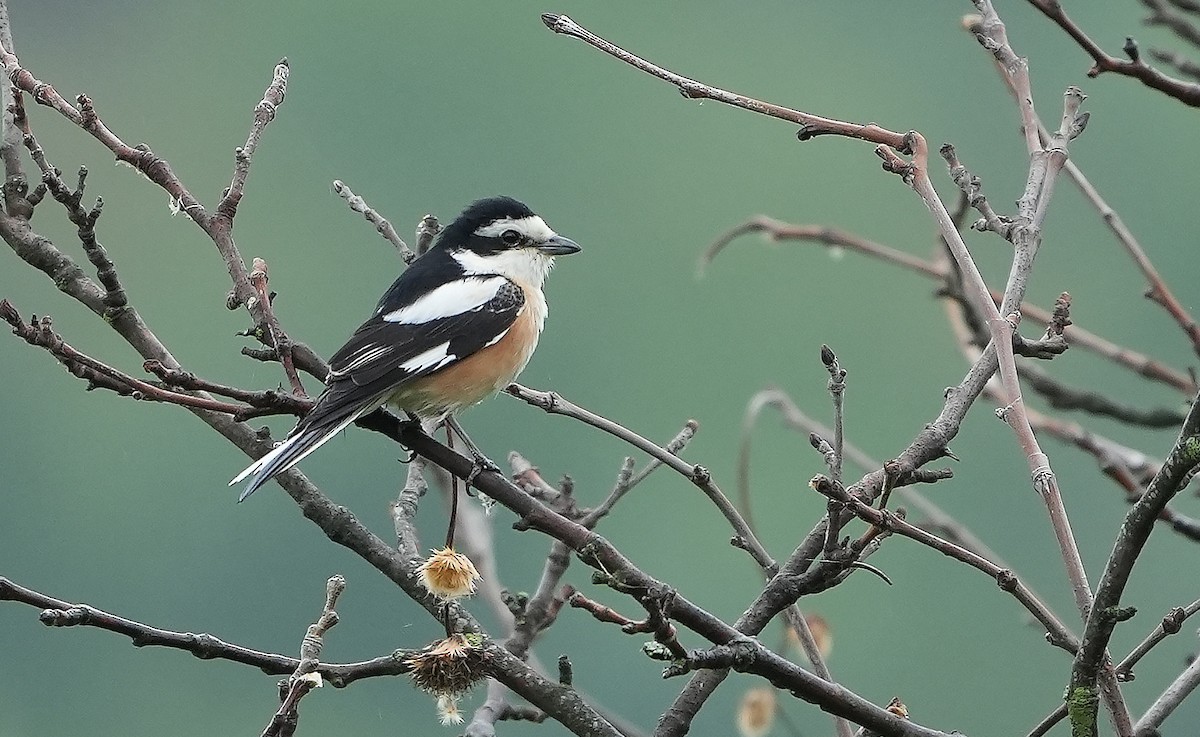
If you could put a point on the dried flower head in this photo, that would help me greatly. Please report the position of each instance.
(756, 713)
(448, 574)
(449, 667)
(448, 711)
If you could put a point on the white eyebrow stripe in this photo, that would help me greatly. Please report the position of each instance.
(532, 227)
(434, 358)
(450, 299)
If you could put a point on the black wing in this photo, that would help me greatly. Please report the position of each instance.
(382, 354)
(378, 358)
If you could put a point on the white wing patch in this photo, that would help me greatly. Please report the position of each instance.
(454, 298)
(363, 357)
(532, 227)
(434, 358)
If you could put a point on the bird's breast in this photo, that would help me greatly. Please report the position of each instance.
(483, 373)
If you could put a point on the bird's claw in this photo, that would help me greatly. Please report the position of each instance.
(481, 464)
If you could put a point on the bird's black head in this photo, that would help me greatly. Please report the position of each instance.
(496, 225)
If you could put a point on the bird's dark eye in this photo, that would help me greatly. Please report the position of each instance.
(510, 237)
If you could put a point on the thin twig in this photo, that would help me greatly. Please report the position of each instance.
(98, 374)
(264, 113)
(1162, 15)
(219, 225)
(59, 613)
(1185, 92)
(554, 403)
(335, 521)
(1047, 723)
(1057, 633)
(382, 225)
(1182, 64)
(305, 678)
(837, 392)
(1171, 624)
(1135, 531)
(777, 230)
(1171, 698)
(278, 338)
(915, 174)
(1045, 162)
(796, 619)
(603, 556)
(811, 125)
(627, 478)
(1158, 292)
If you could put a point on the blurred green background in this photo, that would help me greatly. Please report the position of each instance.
(422, 107)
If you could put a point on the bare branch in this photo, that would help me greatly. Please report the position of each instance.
(1057, 633)
(601, 555)
(1171, 624)
(382, 225)
(777, 230)
(264, 113)
(59, 613)
(275, 334)
(1158, 292)
(305, 677)
(554, 403)
(98, 374)
(811, 125)
(1107, 612)
(1171, 698)
(1185, 92)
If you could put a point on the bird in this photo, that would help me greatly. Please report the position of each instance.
(457, 326)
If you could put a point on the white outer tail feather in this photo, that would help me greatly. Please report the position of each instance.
(280, 449)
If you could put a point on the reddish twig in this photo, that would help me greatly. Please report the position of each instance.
(1186, 92)
(1057, 633)
(140, 157)
(663, 631)
(278, 338)
(272, 399)
(98, 374)
(219, 225)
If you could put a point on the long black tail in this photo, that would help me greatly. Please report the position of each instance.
(328, 417)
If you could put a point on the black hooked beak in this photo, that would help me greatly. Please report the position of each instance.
(558, 246)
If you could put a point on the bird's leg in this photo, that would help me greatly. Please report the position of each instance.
(482, 462)
(412, 420)
(453, 491)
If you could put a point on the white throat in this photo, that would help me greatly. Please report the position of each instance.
(527, 267)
